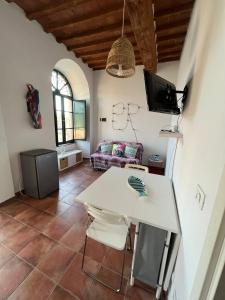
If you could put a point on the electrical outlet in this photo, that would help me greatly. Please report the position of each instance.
(200, 196)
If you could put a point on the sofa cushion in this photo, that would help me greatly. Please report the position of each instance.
(130, 151)
(118, 150)
(106, 148)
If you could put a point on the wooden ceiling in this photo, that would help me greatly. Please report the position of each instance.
(156, 28)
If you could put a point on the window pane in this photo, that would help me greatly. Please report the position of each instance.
(68, 120)
(79, 107)
(61, 81)
(69, 134)
(66, 91)
(59, 119)
(67, 104)
(60, 137)
(54, 80)
(79, 133)
(79, 120)
(58, 102)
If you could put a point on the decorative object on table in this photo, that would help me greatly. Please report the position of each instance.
(138, 185)
(121, 58)
(102, 161)
(32, 97)
(156, 164)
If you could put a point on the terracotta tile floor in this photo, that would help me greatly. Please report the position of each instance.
(41, 244)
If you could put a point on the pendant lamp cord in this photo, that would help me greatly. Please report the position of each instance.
(124, 3)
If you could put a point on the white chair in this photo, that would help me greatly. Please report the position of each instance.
(137, 167)
(110, 229)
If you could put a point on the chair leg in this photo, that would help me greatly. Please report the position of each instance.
(124, 256)
(130, 241)
(85, 244)
(98, 280)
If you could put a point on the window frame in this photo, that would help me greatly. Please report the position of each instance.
(55, 93)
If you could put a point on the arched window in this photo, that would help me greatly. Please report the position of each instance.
(70, 115)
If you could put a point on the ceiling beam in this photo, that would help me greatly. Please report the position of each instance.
(102, 54)
(172, 25)
(111, 36)
(178, 9)
(91, 18)
(141, 17)
(164, 46)
(172, 36)
(169, 53)
(102, 66)
(84, 51)
(53, 8)
(171, 58)
(169, 50)
(103, 61)
(99, 46)
(93, 32)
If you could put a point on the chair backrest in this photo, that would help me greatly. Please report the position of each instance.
(137, 167)
(105, 216)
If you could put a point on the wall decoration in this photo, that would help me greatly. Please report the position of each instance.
(120, 109)
(32, 97)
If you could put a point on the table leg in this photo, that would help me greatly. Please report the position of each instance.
(163, 265)
(172, 262)
(134, 251)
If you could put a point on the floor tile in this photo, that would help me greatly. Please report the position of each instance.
(136, 293)
(40, 220)
(113, 260)
(4, 219)
(56, 262)
(9, 229)
(35, 250)
(57, 228)
(36, 286)
(20, 239)
(61, 294)
(70, 198)
(27, 214)
(41, 204)
(11, 276)
(57, 208)
(14, 208)
(95, 250)
(74, 238)
(59, 195)
(109, 277)
(76, 214)
(5, 255)
(101, 292)
(76, 281)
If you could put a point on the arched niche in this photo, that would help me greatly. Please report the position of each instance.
(76, 77)
(81, 91)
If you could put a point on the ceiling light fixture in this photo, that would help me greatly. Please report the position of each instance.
(121, 59)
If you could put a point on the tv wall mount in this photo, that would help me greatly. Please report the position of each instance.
(184, 93)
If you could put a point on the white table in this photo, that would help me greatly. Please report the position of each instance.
(110, 191)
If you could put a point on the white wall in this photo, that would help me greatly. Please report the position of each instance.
(6, 183)
(109, 90)
(28, 55)
(200, 156)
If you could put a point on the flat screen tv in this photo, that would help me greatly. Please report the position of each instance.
(161, 94)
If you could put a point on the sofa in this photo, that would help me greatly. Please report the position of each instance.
(103, 160)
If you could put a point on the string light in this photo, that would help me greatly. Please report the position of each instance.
(128, 117)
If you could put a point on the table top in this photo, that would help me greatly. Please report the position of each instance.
(111, 191)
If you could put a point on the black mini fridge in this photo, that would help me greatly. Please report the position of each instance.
(40, 172)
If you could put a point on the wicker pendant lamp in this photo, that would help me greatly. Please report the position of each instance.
(121, 59)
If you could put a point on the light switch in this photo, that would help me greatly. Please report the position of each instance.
(200, 196)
